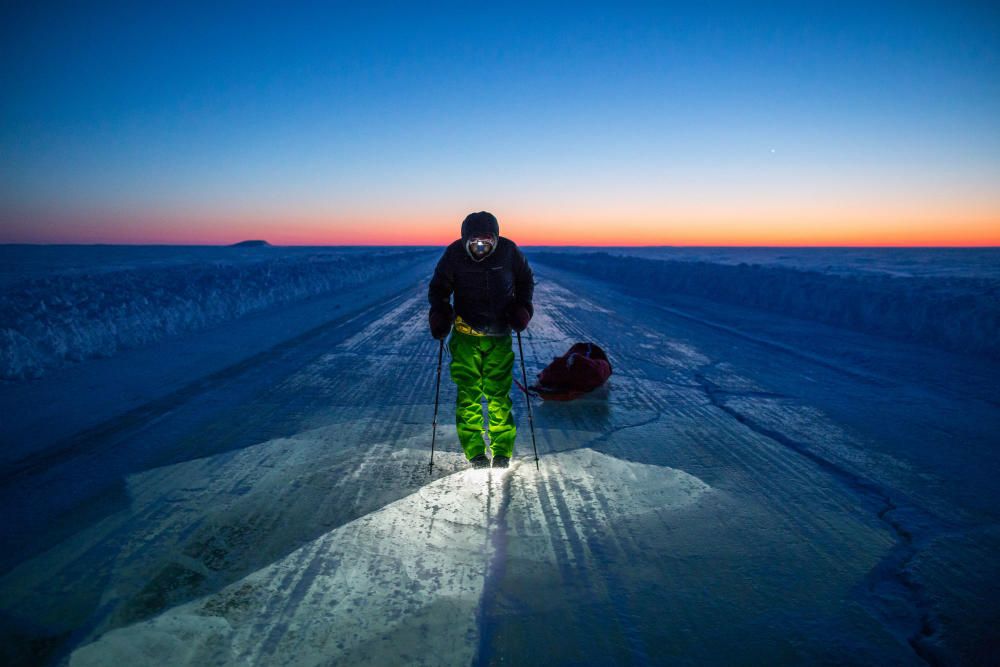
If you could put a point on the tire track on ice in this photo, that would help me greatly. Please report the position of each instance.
(807, 526)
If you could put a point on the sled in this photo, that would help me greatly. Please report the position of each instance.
(582, 369)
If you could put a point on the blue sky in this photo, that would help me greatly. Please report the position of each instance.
(358, 113)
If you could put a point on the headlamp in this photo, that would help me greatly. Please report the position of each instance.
(480, 248)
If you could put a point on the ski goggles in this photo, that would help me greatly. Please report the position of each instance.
(481, 246)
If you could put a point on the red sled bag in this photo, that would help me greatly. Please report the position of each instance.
(583, 368)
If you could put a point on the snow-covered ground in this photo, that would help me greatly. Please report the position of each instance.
(904, 262)
(65, 304)
(960, 313)
(749, 488)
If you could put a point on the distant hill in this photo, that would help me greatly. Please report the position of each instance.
(252, 243)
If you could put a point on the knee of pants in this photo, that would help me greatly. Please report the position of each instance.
(468, 395)
(501, 404)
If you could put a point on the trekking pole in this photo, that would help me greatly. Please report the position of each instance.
(437, 394)
(527, 399)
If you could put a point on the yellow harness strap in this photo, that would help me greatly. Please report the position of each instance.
(463, 327)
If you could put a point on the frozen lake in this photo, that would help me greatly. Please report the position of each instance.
(749, 488)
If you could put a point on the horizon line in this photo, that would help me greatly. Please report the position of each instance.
(520, 245)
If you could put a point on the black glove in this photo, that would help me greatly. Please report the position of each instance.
(440, 321)
(518, 316)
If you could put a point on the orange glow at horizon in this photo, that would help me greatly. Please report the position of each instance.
(840, 228)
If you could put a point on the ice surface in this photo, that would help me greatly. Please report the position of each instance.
(956, 313)
(398, 586)
(85, 305)
(748, 488)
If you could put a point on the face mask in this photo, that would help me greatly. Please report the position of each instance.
(480, 248)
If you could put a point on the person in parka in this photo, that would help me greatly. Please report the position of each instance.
(493, 288)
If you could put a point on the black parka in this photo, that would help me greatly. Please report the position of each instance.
(485, 291)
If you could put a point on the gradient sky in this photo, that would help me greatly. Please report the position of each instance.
(807, 123)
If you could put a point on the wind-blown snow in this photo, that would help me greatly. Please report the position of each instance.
(956, 313)
(47, 321)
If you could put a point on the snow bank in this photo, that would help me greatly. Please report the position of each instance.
(907, 262)
(49, 321)
(956, 313)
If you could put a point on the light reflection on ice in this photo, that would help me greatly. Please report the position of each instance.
(399, 585)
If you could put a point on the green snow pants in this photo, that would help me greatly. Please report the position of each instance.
(483, 365)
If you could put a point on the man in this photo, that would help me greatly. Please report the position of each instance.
(493, 286)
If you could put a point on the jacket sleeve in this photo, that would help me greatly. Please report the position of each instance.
(524, 281)
(442, 285)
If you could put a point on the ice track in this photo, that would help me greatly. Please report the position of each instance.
(721, 501)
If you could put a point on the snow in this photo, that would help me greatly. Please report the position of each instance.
(956, 313)
(39, 417)
(903, 262)
(748, 487)
(80, 311)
